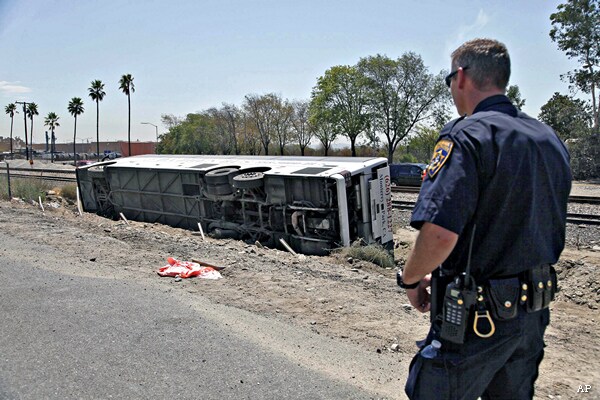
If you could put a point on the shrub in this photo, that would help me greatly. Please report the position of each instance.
(3, 188)
(69, 192)
(24, 188)
(405, 158)
(373, 253)
(585, 153)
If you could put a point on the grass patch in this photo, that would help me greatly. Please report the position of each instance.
(374, 253)
(24, 188)
(69, 192)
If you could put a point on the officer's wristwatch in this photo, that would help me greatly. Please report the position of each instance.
(403, 285)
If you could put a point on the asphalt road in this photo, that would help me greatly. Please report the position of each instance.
(68, 336)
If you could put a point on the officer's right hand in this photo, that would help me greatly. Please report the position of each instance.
(419, 297)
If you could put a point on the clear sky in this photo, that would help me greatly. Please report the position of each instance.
(190, 55)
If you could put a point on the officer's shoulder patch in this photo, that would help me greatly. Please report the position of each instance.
(441, 153)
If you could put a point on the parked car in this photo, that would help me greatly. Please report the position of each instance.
(111, 156)
(407, 174)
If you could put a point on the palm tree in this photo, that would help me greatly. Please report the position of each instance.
(126, 85)
(96, 92)
(11, 110)
(75, 108)
(52, 122)
(31, 112)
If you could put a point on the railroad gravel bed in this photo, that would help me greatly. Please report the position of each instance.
(579, 236)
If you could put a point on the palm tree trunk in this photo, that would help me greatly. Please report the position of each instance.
(129, 124)
(98, 129)
(52, 146)
(74, 142)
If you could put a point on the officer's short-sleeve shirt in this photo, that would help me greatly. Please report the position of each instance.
(506, 174)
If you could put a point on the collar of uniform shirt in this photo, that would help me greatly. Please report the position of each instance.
(498, 102)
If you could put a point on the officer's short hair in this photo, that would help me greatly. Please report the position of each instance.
(488, 62)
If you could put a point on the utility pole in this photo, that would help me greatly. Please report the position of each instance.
(156, 128)
(25, 119)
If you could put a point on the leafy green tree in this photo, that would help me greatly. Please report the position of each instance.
(585, 153)
(168, 140)
(401, 93)
(249, 137)
(222, 137)
(282, 122)
(32, 111)
(262, 112)
(300, 122)
(569, 117)
(220, 127)
(325, 133)
(51, 121)
(576, 31)
(226, 121)
(231, 116)
(339, 100)
(421, 145)
(11, 110)
(170, 120)
(196, 134)
(75, 108)
(514, 94)
(127, 87)
(96, 92)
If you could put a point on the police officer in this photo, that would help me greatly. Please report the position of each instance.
(496, 194)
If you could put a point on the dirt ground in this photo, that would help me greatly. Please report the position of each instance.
(348, 300)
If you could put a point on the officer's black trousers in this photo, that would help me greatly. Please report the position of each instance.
(504, 366)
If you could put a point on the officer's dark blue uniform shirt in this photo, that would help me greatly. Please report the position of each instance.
(509, 175)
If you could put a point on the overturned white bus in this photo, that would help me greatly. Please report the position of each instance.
(314, 203)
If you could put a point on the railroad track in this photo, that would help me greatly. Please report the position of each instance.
(572, 218)
(572, 199)
(403, 205)
(53, 178)
(583, 219)
(406, 189)
(584, 199)
(54, 175)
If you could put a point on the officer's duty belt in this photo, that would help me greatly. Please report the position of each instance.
(533, 289)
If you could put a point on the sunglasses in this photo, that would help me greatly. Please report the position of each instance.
(451, 75)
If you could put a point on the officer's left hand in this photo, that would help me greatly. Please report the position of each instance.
(419, 297)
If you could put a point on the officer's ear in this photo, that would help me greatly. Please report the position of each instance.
(461, 78)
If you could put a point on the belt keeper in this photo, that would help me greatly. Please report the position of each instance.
(484, 314)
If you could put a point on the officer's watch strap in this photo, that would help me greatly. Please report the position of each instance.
(403, 285)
